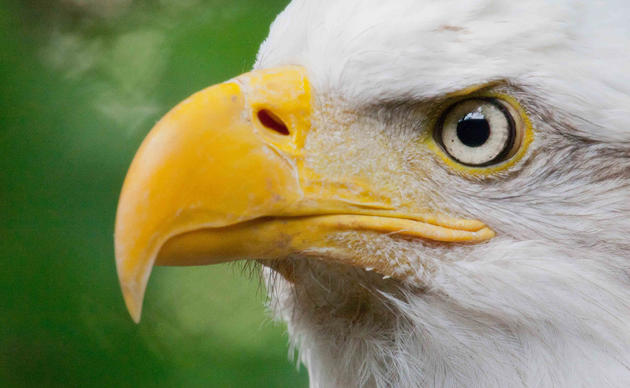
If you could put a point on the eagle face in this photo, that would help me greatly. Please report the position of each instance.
(438, 192)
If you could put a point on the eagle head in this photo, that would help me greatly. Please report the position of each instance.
(438, 192)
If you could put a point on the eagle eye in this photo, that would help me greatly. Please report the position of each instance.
(480, 132)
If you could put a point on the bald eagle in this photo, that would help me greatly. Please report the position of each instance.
(438, 191)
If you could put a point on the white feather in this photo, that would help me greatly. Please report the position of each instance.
(547, 303)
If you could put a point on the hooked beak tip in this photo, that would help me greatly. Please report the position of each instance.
(133, 300)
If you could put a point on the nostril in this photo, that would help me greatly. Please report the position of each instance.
(273, 122)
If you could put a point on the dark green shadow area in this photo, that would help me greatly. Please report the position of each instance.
(80, 86)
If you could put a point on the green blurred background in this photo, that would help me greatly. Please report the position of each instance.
(81, 83)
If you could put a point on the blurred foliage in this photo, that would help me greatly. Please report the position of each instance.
(82, 81)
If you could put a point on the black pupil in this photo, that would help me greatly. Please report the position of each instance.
(473, 129)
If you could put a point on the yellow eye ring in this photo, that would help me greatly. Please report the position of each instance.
(498, 160)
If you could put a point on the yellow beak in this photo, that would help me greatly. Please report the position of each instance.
(223, 177)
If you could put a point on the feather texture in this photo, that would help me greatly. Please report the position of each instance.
(547, 303)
